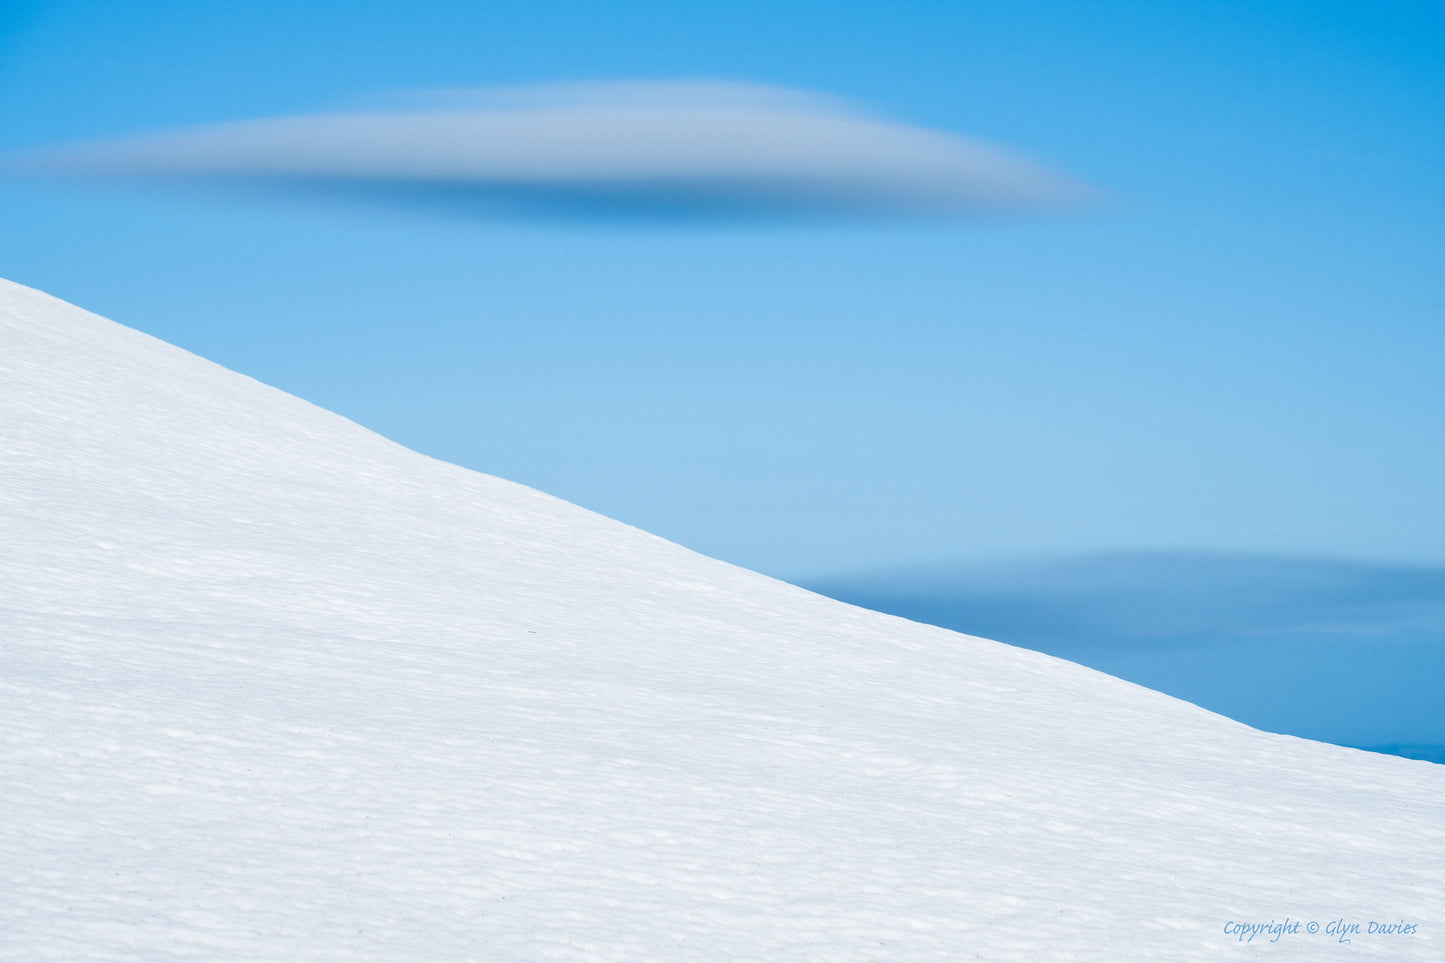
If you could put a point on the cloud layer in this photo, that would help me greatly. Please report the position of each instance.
(630, 150)
(1346, 652)
(1070, 607)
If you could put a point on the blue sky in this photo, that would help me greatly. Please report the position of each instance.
(1240, 352)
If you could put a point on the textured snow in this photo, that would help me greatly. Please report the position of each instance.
(274, 687)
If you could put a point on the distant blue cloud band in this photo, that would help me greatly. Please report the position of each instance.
(652, 150)
(1347, 652)
(1158, 600)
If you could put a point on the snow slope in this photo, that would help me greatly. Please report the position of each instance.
(274, 687)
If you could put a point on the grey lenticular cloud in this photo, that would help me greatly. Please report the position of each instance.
(650, 150)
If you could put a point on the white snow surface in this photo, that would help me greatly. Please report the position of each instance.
(275, 688)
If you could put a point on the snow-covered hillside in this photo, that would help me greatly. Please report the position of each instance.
(273, 687)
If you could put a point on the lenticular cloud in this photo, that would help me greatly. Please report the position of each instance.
(650, 150)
